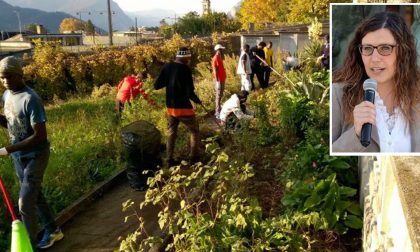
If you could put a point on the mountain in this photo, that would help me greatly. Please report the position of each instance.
(9, 20)
(96, 8)
(152, 17)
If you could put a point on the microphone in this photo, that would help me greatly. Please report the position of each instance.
(369, 86)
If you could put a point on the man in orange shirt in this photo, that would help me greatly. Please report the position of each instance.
(128, 88)
(219, 75)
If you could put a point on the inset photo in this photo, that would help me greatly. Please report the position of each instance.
(375, 89)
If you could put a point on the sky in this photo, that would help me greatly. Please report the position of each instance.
(178, 6)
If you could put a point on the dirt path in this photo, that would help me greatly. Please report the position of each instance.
(98, 227)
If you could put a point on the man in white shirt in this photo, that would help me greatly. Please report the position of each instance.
(234, 110)
(244, 69)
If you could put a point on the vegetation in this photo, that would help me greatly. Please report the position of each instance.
(270, 185)
(193, 24)
(74, 25)
(260, 12)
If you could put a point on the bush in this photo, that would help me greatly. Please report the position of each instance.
(205, 211)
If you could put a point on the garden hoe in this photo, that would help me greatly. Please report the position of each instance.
(208, 112)
(274, 70)
(20, 238)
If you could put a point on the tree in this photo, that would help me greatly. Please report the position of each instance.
(191, 24)
(89, 28)
(71, 25)
(31, 27)
(303, 11)
(220, 22)
(259, 12)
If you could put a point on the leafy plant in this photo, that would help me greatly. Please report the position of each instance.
(204, 210)
(334, 205)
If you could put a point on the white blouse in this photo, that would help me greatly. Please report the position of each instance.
(393, 129)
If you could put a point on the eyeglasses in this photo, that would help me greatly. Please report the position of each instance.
(383, 50)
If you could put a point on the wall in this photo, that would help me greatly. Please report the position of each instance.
(388, 194)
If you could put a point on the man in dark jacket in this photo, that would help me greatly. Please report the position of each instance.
(257, 65)
(176, 76)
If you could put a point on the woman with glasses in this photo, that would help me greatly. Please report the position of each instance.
(383, 49)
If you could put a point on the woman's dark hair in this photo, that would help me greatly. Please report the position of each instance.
(353, 73)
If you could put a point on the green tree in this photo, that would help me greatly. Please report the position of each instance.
(89, 28)
(191, 24)
(220, 22)
(31, 27)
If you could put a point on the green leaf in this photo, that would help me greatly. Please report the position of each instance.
(340, 164)
(321, 187)
(312, 201)
(223, 157)
(341, 205)
(331, 218)
(354, 222)
(288, 200)
(354, 208)
(347, 191)
(341, 229)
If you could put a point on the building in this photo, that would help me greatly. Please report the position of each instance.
(288, 38)
(66, 39)
(206, 7)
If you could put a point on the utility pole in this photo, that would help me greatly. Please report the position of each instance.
(20, 26)
(109, 23)
(136, 32)
(175, 24)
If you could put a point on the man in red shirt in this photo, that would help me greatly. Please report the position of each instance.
(128, 88)
(219, 75)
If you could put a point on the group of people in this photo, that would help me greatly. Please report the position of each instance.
(257, 60)
(176, 77)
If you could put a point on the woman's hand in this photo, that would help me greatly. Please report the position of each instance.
(364, 112)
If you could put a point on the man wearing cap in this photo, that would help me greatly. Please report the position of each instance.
(176, 76)
(24, 117)
(219, 75)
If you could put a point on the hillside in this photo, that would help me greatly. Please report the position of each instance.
(151, 17)
(120, 20)
(9, 21)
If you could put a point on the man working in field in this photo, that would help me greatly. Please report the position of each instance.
(176, 76)
(24, 117)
